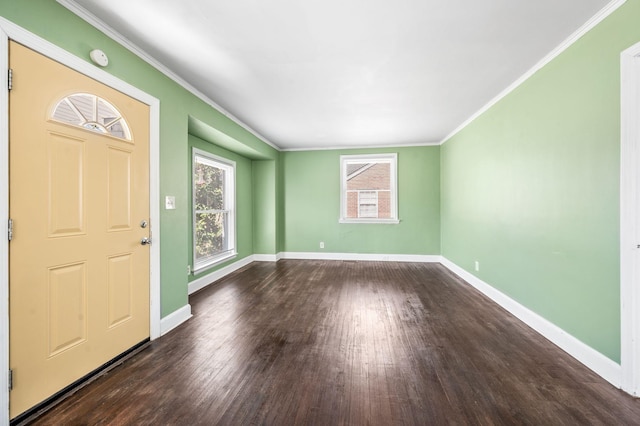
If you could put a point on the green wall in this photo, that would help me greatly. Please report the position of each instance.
(312, 205)
(530, 189)
(280, 197)
(264, 212)
(49, 20)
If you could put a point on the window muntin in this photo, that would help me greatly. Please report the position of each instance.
(91, 113)
(368, 188)
(213, 209)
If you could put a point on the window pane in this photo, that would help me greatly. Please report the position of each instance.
(66, 114)
(352, 204)
(116, 129)
(369, 188)
(384, 204)
(353, 168)
(369, 176)
(213, 209)
(209, 187)
(211, 234)
(92, 113)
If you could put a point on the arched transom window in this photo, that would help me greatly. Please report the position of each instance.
(93, 113)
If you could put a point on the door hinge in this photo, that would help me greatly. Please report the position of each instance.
(10, 230)
(10, 379)
(10, 78)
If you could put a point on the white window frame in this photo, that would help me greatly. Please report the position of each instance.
(392, 160)
(229, 167)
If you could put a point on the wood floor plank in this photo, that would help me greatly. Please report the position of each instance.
(347, 343)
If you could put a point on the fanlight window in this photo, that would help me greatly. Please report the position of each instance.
(92, 113)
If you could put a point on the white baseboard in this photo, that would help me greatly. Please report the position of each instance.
(308, 255)
(600, 364)
(204, 281)
(174, 319)
(266, 257)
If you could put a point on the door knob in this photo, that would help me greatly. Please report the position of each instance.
(145, 241)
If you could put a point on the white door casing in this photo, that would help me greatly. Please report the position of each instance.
(630, 219)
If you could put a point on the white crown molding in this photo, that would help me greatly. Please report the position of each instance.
(595, 20)
(96, 22)
(594, 360)
(308, 255)
(355, 147)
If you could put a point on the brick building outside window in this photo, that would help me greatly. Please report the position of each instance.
(368, 188)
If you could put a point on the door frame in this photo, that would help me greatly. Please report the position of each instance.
(9, 30)
(630, 219)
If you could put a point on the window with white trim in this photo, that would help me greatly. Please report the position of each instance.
(92, 113)
(213, 209)
(368, 188)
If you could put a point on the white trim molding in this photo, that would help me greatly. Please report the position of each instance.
(354, 147)
(175, 319)
(595, 20)
(265, 258)
(629, 213)
(210, 278)
(314, 255)
(9, 30)
(600, 364)
(4, 222)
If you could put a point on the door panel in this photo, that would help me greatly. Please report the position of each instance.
(78, 276)
(119, 281)
(119, 187)
(66, 185)
(67, 307)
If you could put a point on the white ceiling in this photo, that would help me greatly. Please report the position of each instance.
(335, 73)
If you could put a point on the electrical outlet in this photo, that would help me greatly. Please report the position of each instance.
(477, 265)
(188, 269)
(321, 244)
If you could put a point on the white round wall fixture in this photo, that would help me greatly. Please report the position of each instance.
(99, 57)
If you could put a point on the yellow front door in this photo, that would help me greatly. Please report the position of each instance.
(78, 273)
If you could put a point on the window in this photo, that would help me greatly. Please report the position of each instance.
(213, 209)
(92, 113)
(368, 188)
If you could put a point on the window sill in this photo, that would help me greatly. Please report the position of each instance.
(387, 221)
(213, 262)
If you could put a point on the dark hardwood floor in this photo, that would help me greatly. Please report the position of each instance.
(347, 343)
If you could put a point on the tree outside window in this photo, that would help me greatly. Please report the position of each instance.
(213, 210)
